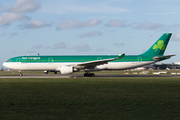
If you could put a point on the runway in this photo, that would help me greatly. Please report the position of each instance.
(81, 76)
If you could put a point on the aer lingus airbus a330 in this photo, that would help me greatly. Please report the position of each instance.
(67, 64)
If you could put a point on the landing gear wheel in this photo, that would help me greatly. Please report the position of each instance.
(92, 74)
(89, 74)
(46, 72)
(85, 75)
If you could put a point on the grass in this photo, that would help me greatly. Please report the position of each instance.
(90, 98)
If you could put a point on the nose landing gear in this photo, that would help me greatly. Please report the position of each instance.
(20, 74)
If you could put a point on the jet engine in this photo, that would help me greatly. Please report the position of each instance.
(46, 72)
(67, 69)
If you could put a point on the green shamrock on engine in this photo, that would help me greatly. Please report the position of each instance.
(160, 45)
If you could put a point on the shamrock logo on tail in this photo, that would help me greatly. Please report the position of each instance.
(160, 45)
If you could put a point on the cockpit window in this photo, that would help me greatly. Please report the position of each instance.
(8, 61)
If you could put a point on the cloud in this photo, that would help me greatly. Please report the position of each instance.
(82, 48)
(14, 34)
(35, 24)
(2, 34)
(25, 6)
(118, 44)
(101, 49)
(39, 46)
(15, 13)
(92, 22)
(176, 37)
(174, 27)
(10, 17)
(60, 45)
(47, 47)
(115, 23)
(75, 7)
(112, 10)
(166, 13)
(35, 48)
(90, 34)
(69, 24)
(146, 25)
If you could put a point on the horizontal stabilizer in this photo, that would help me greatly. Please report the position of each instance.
(156, 58)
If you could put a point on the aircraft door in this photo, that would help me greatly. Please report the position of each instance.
(99, 58)
(50, 60)
(18, 61)
(139, 59)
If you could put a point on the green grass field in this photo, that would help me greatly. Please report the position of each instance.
(90, 99)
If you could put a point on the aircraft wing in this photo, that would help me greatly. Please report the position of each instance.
(93, 64)
(156, 58)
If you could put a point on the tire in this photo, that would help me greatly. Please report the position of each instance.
(93, 75)
(85, 75)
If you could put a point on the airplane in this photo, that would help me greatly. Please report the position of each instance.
(67, 64)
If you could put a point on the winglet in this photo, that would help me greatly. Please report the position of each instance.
(121, 56)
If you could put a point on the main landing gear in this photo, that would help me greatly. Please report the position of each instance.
(88, 74)
(46, 72)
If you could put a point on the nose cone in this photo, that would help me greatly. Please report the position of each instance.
(5, 64)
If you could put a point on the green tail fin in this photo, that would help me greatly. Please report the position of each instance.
(159, 46)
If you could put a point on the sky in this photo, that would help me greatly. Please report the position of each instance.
(83, 27)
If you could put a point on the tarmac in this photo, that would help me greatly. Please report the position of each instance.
(81, 76)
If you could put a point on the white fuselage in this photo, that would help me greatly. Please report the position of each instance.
(55, 66)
